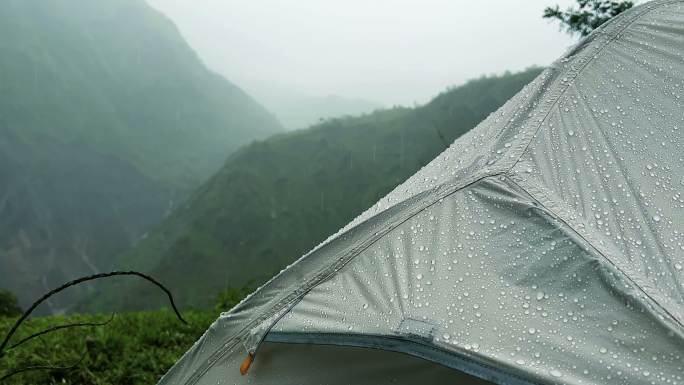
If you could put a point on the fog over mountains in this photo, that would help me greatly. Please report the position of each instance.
(105, 126)
(397, 52)
(120, 148)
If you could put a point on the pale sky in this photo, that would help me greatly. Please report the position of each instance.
(387, 51)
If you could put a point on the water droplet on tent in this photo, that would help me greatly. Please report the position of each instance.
(656, 218)
(555, 373)
(603, 350)
(419, 276)
(678, 266)
(540, 295)
(571, 133)
(531, 330)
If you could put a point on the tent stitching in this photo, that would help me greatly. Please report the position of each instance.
(537, 193)
(347, 339)
(287, 302)
(610, 37)
(603, 33)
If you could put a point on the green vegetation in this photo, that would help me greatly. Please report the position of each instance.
(276, 199)
(8, 304)
(231, 296)
(589, 14)
(75, 72)
(107, 120)
(134, 348)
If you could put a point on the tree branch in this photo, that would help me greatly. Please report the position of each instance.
(76, 282)
(42, 367)
(60, 327)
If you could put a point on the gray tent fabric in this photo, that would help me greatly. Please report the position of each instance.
(546, 246)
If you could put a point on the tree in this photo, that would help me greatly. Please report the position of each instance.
(230, 297)
(588, 16)
(8, 304)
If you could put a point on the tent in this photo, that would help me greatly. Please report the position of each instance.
(546, 246)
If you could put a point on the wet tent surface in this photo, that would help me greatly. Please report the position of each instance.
(546, 246)
(508, 285)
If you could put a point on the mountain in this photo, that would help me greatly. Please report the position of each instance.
(275, 199)
(300, 112)
(107, 120)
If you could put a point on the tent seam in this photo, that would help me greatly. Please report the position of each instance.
(342, 336)
(330, 269)
(361, 246)
(610, 36)
(535, 192)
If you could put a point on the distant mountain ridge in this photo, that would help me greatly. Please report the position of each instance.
(275, 199)
(302, 112)
(117, 76)
(108, 119)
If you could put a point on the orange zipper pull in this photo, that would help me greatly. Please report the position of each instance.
(244, 368)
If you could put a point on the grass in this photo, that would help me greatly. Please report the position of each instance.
(134, 348)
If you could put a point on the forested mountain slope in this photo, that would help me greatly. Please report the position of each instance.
(107, 120)
(273, 200)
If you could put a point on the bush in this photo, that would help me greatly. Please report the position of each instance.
(134, 348)
(8, 304)
(230, 297)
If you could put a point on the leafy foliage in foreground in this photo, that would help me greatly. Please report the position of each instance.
(589, 15)
(8, 304)
(134, 348)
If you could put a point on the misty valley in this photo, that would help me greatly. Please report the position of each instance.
(123, 150)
